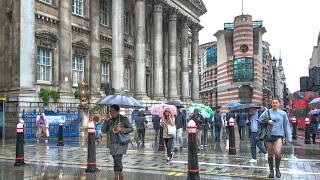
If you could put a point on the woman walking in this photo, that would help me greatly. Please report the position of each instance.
(141, 124)
(166, 122)
(279, 131)
(118, 127)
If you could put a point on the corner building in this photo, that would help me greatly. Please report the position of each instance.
(237, 67)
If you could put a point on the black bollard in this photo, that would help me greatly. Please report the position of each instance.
(294, 128)
(193, 166)
(232, 138)
(307, 131)
(60, 135)
(161, 140)
(91, 161)
(19, 146)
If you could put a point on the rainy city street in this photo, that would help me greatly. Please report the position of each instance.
(300, 161)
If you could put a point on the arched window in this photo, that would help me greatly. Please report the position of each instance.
(245, 94)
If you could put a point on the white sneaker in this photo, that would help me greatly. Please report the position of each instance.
(266, 156)
(253, 161)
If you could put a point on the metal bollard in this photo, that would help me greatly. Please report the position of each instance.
(19, 146)
(294, 128)
(307, 131)
(193, 166)
(161, 140)
(60, 135)
(232, 139)
(91, 161)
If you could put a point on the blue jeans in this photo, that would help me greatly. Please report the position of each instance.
(98, 127)
(255, 143)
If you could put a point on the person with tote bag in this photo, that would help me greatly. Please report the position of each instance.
(169, 132)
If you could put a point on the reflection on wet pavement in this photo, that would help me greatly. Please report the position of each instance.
(300, 161)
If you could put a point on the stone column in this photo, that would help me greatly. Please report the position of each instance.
(194, 58)
(95, 63)
(65, 48)
(185, 61)
(27, 43)
(140, 49)
(173, 90)
(158, 52)
(117, 45)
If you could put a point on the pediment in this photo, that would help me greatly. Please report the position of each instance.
(46, 35)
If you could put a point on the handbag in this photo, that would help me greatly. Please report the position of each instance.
(171, 130)
(124, 138)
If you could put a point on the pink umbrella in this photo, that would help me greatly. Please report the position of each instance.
(160, 109)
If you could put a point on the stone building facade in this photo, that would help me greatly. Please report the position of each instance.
(237, 67)
(139, 47)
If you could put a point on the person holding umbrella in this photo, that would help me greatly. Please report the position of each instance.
(167, 122)
(117, 126)
(199, 120)
(280, 132)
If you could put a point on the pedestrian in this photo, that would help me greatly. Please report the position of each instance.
(119, 128)
(42, 124)
(205, 127)
(314, 127)
(97, 120)
(198, 119)
(218, 123)
(180, 123)
(279, 133)
(167, 122)
(241, 121)
(254, 127)
(141, 124)
(156, 127)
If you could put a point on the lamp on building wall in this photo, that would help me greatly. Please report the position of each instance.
(274, 66)
(83, 89)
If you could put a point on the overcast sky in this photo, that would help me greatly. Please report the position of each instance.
(292, 27)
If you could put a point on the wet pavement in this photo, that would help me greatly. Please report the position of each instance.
(299, 161)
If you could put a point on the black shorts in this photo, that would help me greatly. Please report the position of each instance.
(273, 138)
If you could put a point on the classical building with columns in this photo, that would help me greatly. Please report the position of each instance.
(237, 67)
(139, 47)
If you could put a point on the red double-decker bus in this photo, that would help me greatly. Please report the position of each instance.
(300, 107)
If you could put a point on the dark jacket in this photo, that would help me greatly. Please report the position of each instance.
(180, 121)
(314, 125)
(198, 119)
(141, 121)
(156, 122)
(241, 119)
(265, 129)
(217, 119)
(114, 145)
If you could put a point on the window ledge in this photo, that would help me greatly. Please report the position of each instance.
(49, 4)
(105, 25)
(43, 83)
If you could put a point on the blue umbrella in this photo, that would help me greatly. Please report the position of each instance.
(121, 100)
(232, 104)
(314, 101)
(245, 107)
(314, 112)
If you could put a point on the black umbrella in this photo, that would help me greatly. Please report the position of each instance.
(176, 104)
(243, 107)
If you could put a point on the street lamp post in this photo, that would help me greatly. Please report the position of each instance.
(274, 65)
(84, 111)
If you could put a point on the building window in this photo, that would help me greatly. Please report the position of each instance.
(47, 1)
(104, 12)
(77, 70)
(243, 69)
(77, 7)
(126, 22)
(44, 60)
(127, 74)
(210, 56)
(245, 94)
(105, 73)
